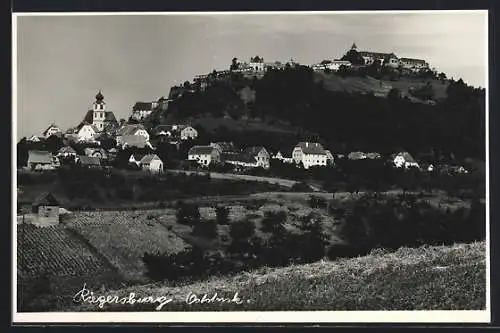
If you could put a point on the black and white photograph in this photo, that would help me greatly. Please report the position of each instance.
(251, 167)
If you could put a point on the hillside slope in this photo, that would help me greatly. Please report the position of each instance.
(353, 84)
(426, 278)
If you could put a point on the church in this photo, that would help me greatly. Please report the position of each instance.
(99, 116)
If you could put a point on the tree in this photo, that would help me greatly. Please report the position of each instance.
(54, 143)
(394, 94)
(234, 64)
(242, 230)
(22, 153)
(442, 76)
(206, 229)
(222, 214)
(188, 214)
(273, 222)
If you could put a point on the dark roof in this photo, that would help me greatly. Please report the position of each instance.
(406, 155)
(66, 150)
(376, 54)
(139, 106)
(419, 61)
(109, 117)
(242, 157)
(129, 129)
(252, 151)
(46, 199)
(134, 141)
(51, 126)
(224, 146)
(311, 148)
(89, 160)
(40, 156)
(201, 150)
(83, 123)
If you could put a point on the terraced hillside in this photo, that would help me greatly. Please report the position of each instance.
(123, 238)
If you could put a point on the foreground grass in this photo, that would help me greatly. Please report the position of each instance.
(427, 278)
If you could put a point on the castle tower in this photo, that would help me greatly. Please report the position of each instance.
(99, 111)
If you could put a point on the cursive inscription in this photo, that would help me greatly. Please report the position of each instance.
(87, 296)
(192, 298)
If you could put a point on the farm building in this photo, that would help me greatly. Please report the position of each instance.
(310, 154)
(258, 155)
(151, 163)
(45, 210)
(89, 162)
(404, 160)
(40, 160)
(205, 155)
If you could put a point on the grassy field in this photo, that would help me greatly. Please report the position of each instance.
(123, 238)
(426, 278)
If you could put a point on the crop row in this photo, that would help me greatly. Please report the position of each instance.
(53, 251)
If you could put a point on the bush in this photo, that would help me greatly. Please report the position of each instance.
(273, 222)
(206, 229)
(188, 214)
(222, 214)
(242, 230)
(317, 202)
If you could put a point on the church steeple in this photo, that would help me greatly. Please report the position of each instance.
(99, 97)
(354, 47)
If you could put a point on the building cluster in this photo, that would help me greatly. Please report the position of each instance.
(100, 124)
(369, 58)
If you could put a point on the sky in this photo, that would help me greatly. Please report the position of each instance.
(62, 61)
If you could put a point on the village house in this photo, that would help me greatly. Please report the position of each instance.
(259, 155)
(257, 64)
(151, 163)
(142, 110)
(404, 160)
(88, 162)
(204, 155)
(413, 64)
(100, 153)
(356, 155)
(136, 158)
(329, 157)
(188, 132)
(33, 138)
(111, 154)
(309, 154)
(280, 157)
(99, 116)
(41, 160)
(52, 130)
(86, 132)
(66, 151)
(333, 65)
(45, 210)
(131, 130)
(138, 141)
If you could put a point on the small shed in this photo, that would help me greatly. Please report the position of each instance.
(46, 210)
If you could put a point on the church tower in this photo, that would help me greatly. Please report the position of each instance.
(99, 111)
(354, 47)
